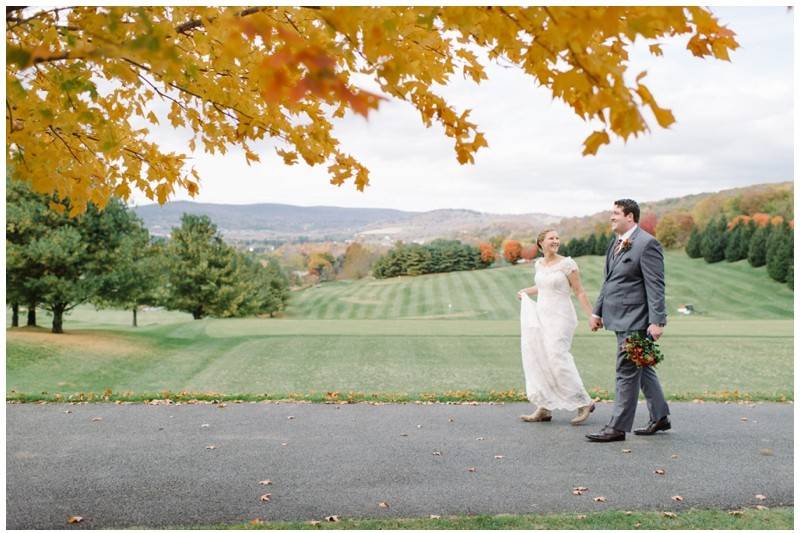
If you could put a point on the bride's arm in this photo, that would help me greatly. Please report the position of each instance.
(530, 291)
(575, 282)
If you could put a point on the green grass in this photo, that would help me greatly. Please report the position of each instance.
(400, 339)
(721, 290)
(391, 357)
(778, 518)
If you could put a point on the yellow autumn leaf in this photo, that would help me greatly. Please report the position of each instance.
(593, 142)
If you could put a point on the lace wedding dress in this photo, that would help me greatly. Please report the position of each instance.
(546, 329)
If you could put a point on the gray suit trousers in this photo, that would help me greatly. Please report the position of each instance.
(630, 379)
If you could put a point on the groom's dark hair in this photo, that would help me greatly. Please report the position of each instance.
(629, 206)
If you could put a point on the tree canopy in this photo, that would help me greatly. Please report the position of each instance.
(81, 82)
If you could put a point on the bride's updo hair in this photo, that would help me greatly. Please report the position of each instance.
(541, 237)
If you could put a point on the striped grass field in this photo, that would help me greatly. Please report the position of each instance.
(721, 290)
(436, 334)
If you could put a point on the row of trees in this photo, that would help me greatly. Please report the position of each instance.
(513, 250)
(761, 241)
(106, 257)
(438, 256)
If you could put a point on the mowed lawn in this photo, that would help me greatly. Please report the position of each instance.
(412, 336)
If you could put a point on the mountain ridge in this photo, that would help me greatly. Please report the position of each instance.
(286, 222)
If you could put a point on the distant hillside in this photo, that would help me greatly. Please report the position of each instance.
(772, 198)
(287, 222)
(271, 221)
(262, 222)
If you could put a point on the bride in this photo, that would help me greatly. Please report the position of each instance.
(547, 325)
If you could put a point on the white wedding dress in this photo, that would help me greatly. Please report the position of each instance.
(546, 329)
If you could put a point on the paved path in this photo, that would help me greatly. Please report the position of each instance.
(148, 465)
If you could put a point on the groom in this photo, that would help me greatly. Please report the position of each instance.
(632, 300)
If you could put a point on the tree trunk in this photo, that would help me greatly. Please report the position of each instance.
(135, 324)
(58, 318)
(197, 314)
(14, 315)
(32, 315)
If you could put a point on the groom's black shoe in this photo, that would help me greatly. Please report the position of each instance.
(653, 426)
(607, 434)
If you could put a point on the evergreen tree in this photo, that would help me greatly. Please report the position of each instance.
(748, 230)
(757, 253)
(693, 246)
(733, 249)
(714, 240)
(575, 247)
(56, 261)
(203, 277)
(603, 242)
(780, 250)
(267, 287)
(590, 244)
(417, 260)
(138, 277)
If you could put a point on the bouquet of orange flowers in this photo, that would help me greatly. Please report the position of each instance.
(642, 351)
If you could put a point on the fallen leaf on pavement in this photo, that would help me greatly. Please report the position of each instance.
(578, 491)
(437, 453)
(479, 438)
(674, 455)
(435, 517)
(766, 451)
(669, 514)
(265, 497)
(384, 505)
(743, 419)
(220, 406)
(678, 498)
(204, 425)
(211, 447)
(499, 456)
(762, 507)
(404, 434)
(74, 519)
(332, 518)
(314, 522)
(97, 419)
(471, 469)
(659, 471)
(736, 512)
(626, 450)
(289, 418)
(419, 426)
(451, 419)
(67, 411)
(265, 482)
(760, 497)
(600, 499)
(284, 443)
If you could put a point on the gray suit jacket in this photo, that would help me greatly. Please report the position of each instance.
(632, 296)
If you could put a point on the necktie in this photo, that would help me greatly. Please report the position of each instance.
(618, 247)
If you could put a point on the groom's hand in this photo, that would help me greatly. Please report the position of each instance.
(655, 331)
(595, 323)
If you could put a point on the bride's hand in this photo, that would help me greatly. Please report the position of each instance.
(519, 294)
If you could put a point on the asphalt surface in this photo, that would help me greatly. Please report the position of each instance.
(150, 465)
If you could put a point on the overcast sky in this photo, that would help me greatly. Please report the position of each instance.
(734, 128)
